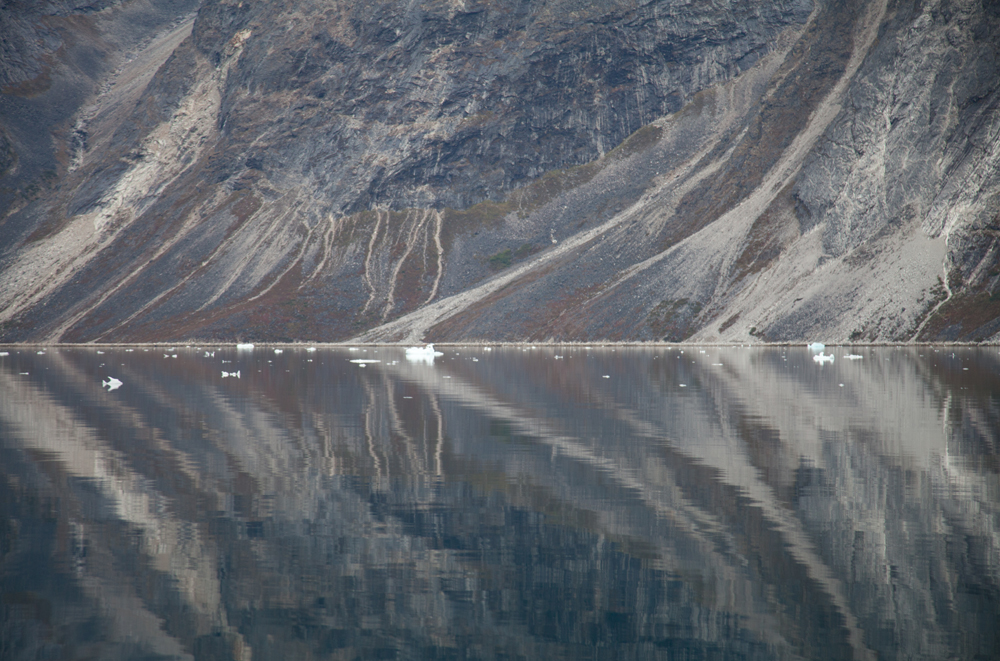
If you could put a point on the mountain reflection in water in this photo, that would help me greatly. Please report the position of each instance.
(514, 503)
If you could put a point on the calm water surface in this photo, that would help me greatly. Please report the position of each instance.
(499, 504)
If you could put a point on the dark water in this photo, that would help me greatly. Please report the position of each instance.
(513, 503)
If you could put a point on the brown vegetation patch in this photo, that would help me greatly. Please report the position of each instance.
(967, 317)
(456, 327)
(672, 320)
(771, 232)
(728, 323)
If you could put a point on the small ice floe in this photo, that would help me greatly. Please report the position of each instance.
(365, 361)
(4, 353)
(209, 354)
(683, 385)
(129, 350)
(226, 375)
(244, 346)
(169, 355)
(407, 397)
(100, 353)
(40, 353)
(422, 354)
(111, 384)
(816, 347)
(310, 349)
(279, 351)
(822, 358)
(606, 376)
(558, 357)
(853, 356)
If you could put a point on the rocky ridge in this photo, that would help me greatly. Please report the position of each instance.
(517, 171)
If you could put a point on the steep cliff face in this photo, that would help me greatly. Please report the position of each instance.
(515, 170)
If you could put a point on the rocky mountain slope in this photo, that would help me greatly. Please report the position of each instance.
(501, 170)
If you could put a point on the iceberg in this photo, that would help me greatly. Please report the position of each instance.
(235, 374)
(111, 384)
(244, 345)
(822, 358)
(422, 354)
(816, 347)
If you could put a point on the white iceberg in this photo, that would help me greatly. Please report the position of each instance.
(246, 346)
(235, 374)
(853, 356)
(422, 354)
(111, 384)
(822, 358)
(816, 347)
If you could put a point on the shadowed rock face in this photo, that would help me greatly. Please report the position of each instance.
(505, 170)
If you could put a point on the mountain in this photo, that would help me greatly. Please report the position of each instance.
(500, 170)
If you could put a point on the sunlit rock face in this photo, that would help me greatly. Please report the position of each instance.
(501, 170)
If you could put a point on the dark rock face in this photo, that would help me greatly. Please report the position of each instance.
(464, 170)
(448, 104)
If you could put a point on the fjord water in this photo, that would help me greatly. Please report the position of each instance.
(508, 503)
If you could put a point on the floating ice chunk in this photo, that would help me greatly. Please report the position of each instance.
(171, 355)
(40, 353)
(816, 347)
(209, 354)
(422, 354)
(4, 353)
(311, 349)
(606, 376)
(362, 361)
(278, 350)
(244, 346)
(111, 384)
(100, 352)
(822, 358)
(683, 385)
(226, 375)
(853, 356)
